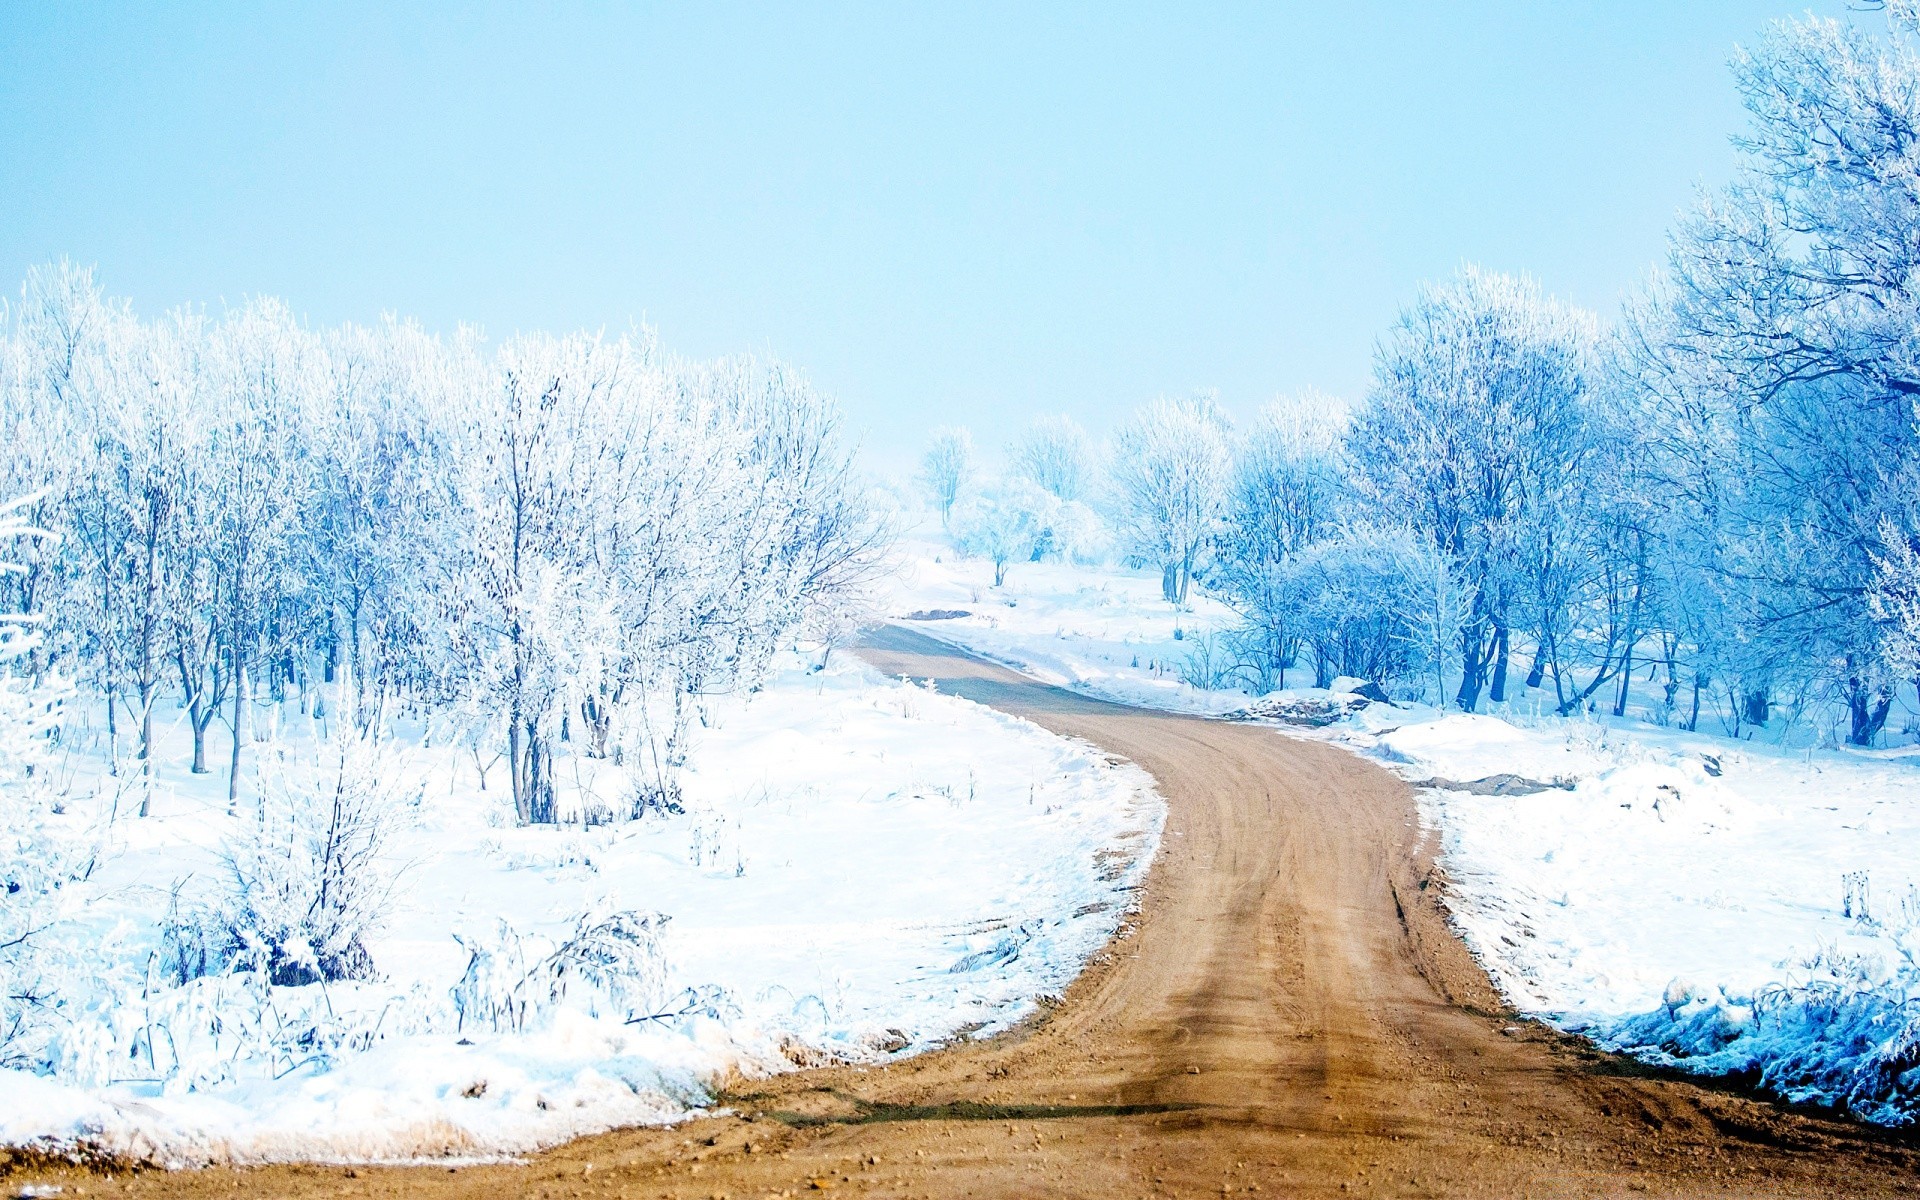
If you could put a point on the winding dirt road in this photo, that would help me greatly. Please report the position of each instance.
(1289, 1017)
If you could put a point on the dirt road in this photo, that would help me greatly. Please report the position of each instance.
(1289, 1017)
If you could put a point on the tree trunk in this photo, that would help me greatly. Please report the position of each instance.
(1626, 681)
(146, 748)
(1867, 709)
(332, 659)
(1170, 583)
(113, 728)
(517, 773)
(1537, 672)
(199, 738)
(541, 804)
(1498, 692)
(1473, 669)
(239, 712)
(1755, 706)
(358, 667)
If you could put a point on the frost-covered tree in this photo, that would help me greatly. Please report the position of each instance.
(1286, 496)
(1778, 364)
(1170, 467)
(377, 505)
(40, 852)
(1477, 412)
(1006, 524)
(1055, 455)
(262, 369)
(946, 467)
(537, 465)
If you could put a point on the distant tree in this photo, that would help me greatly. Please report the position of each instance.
(1055, 455)
(1007, 524)
(1170, 470)
(1286, 495)
(946, 467)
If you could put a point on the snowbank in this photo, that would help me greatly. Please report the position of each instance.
(1712, 905)
(865, 868)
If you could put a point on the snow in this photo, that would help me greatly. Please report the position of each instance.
(1680, 897)
(1686, 899)
(1102, 631)
(866, 868)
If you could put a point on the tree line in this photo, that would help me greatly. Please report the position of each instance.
(1714, 493)
(559, 542)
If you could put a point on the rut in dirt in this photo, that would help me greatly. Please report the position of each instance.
(1287, 1014)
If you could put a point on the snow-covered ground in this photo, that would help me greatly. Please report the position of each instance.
(864, 868)
(1104, 631)
(1708, 904)
(1724, 906)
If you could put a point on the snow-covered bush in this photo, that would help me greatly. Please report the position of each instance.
(1357, 607)
(42, 854)
(611, 965)
(307, 878)
(1848, 1036)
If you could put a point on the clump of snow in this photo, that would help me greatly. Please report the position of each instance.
(863, 868)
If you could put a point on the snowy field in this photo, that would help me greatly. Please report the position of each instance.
(1722, 906)
(1103, 631)
(864, 868)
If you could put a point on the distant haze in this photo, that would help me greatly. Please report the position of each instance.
(971, 214)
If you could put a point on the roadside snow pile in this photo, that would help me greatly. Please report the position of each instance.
(1105, 631)
(1714, 906)
(863, 868)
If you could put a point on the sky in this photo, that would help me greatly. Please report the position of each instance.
(970, 214)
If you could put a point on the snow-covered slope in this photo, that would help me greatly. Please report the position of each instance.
(864, 868)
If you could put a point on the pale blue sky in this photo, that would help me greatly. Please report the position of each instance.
(941, 213)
